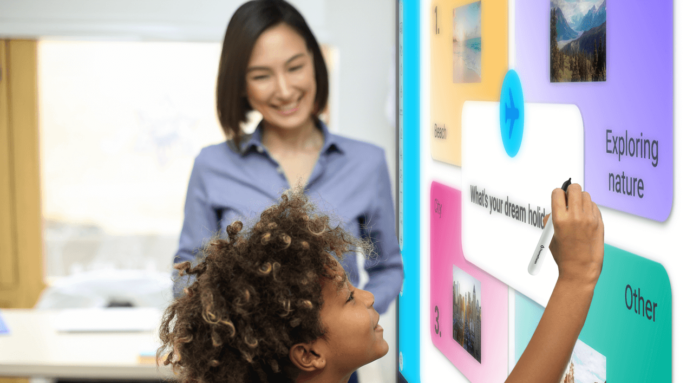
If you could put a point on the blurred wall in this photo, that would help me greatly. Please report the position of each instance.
(364, 33)
(159, 20)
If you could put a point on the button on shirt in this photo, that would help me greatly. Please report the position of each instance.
(350, 181)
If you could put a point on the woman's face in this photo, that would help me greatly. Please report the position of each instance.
(352, 331)
(281, 79)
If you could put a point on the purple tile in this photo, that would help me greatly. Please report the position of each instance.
(637, 96)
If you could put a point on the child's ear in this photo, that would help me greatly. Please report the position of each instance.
(307, 357)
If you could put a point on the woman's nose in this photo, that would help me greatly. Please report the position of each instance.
(283, 89)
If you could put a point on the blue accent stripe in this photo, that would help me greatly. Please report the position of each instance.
(409, 308)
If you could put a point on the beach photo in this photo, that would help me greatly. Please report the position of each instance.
(577, 48)
(466, 43)
(466, 308)
(586, 366)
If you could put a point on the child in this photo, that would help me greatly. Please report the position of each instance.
(273, 304)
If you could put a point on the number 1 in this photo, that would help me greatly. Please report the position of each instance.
(437, 29)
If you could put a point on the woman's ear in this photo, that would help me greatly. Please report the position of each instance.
(307, 357)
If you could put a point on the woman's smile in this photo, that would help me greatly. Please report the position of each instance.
(288, 108)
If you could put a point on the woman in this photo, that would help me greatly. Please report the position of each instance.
(271, 62)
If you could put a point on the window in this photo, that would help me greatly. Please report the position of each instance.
(120, 126)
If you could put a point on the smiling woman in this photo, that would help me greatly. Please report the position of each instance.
(257, 66)
(282, 87)
(272, 64)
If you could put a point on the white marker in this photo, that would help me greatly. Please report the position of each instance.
(544, 241)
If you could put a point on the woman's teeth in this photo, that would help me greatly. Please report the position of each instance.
(287, 107)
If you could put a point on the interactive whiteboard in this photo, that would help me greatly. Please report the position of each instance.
(501, 102)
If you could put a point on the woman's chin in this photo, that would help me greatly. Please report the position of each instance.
(293, 121)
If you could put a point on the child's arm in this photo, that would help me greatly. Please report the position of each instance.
(578, 248)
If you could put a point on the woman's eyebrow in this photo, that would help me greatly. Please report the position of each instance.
(294, 57)
(257, 68)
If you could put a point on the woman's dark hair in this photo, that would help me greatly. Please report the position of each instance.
(255, 296)
(247, 24)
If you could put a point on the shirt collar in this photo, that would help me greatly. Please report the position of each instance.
(255, 140)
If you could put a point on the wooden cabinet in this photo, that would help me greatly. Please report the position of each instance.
(21, 244)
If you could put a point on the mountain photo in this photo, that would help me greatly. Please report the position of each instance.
(587, 43)
(575, 21)
(577, 48)
(563, 29)
(594, 18)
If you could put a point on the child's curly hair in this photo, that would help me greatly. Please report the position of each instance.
(255, 295)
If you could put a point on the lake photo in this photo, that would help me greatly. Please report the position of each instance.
(586, 366)
(466, 43)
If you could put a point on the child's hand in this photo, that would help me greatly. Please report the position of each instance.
(578, 239)
(578, 248)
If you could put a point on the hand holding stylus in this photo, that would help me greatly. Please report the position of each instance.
(578, 240)
(577, 246)
(546, 236)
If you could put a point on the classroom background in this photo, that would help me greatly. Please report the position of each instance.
(103, 108)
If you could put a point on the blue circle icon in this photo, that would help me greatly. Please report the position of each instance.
(512, 113)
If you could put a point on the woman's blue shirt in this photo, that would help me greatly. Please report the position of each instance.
(350, 181)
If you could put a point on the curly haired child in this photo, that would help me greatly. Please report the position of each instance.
(273, 304)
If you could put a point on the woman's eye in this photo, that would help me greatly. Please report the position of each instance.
(262, 77)
(295, 68)
(351, 296)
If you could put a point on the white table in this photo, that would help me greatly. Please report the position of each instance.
(34, 349)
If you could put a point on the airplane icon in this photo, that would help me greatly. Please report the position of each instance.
(511, 113)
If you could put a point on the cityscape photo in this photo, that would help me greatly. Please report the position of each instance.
(466, 308)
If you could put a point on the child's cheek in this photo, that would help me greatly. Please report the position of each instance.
(362, 319)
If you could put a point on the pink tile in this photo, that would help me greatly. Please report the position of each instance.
(446, 251)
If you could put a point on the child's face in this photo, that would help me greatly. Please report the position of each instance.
(353, 336)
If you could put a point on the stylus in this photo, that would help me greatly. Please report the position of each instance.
(542, 247)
